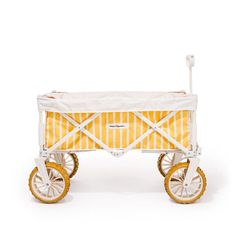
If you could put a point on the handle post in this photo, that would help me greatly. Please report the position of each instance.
(190, 61)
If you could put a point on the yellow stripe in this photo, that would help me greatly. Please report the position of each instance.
(48, 131)
(124, 132)
(158, 137)
(171, 131)
(104, 128)
(138, 131)
(131, 128)
(71, 139)
(117, 131)
(121, 131)
(145, 128)
(113, 131)
(79, 133)
(164, 126)
(151, 138)
(76, 136)
(97, 129)
(84, 139)
(178, 127)
(128, 130)
(185, 128)
(148, 137)
(89, 127)
(110, 131)
(57, 127)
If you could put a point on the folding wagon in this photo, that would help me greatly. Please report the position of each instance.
(118, 122)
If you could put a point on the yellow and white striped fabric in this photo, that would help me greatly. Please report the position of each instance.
(107, 129)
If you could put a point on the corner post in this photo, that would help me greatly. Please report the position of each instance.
(41, 132)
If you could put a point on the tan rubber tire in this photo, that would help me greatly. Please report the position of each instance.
(167, 186)
(159, 164)
(63, 173)
(76, 164)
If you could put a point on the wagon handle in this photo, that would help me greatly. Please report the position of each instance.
(190, 61)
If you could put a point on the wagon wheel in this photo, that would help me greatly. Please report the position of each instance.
(69, 161)
(59, 183)
(177, 191)
(165, 162)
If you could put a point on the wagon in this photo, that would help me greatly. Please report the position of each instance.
(160, 122)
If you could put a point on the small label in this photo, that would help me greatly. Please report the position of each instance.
(118, 126)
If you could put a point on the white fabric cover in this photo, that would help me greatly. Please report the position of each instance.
(116, 101)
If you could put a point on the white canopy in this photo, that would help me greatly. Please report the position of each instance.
(116, 101)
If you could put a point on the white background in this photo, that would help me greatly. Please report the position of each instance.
(117, 45)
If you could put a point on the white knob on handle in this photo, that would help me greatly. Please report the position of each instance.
(190, 60)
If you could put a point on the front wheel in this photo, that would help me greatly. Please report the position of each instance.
(59, 183)
(177, 191)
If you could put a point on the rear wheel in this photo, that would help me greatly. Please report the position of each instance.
(59, 183)
(69, 161)
(174, 184)
(165, 162)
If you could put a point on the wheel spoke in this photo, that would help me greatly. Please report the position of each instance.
(49, 173)
(69, 164)
(69, 169)
(166, 161)
(176, 191)
(60, 184)
(186, 191)
(167, 164)
(166, 168)
(53, 192)
(176, 179)
(40, 185)
(190, 190)
(55, 188)
(174, 185)
(196, 178)
(48, 192)
(68, 160)
(38, 177)
(57, 178)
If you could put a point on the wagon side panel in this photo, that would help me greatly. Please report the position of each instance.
(117, 130)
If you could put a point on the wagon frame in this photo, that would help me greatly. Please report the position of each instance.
(180, 152)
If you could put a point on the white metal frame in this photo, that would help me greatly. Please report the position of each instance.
(153, 127)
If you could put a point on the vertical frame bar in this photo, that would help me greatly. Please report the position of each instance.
(193, 131)
(41, 128)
